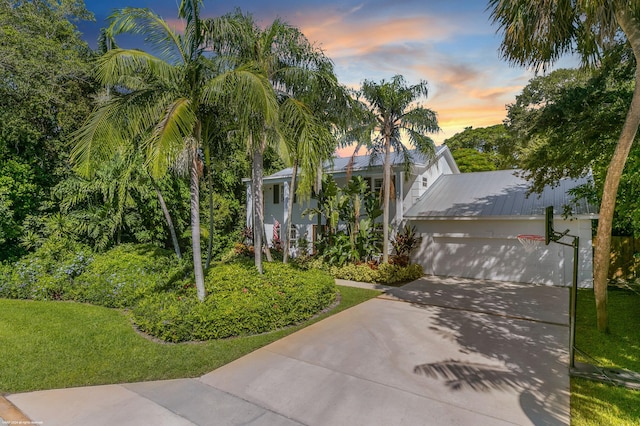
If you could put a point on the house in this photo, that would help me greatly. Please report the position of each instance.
(409, 188)
(469, 222)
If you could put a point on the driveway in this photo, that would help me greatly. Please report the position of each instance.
(438, 351)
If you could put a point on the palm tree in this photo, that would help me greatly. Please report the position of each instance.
(159, 100)
(309, 143)
(391, 118)
(536, 34)
(311, 123)
(290, 63)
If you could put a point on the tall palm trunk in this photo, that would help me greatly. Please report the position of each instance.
(386, 194)
(207, 158)
(612, 180)
(167, 217)
(195, 221)
(258, 214)
(287, 221)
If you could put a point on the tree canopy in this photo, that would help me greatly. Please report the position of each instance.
(45, 93)
(494, 146)
(568, 123)
(537, 34)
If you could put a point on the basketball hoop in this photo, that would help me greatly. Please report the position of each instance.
(530, 241)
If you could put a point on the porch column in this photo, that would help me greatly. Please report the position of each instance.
(286, 225)
(249, 207)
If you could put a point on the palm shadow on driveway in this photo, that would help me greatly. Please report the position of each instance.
(520, 329)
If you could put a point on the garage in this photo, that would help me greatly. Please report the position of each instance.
(470, 222)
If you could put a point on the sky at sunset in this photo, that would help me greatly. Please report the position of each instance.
(449, 43)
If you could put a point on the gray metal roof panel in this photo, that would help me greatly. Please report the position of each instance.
(361, 162)
(498, 193)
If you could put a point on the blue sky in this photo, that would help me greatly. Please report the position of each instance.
(450, 44)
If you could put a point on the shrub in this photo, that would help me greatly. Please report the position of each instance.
(47, 273)
(239, 302)
(385, 273)
(121, 276)
(404, 242)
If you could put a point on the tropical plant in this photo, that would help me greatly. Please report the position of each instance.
(393, 119)
(403, 243)
(290, 65)
(309, 143)
(158, 100)
(538, 33)
(355, 207)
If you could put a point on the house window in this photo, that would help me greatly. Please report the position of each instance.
(276, 194)
(377, 187)
(425, 182)
(368, 180)
(293, 233)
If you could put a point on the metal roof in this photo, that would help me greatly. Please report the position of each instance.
(494, 194)
(363, 162)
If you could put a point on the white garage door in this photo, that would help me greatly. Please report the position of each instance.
(488, 249)
(499, 259)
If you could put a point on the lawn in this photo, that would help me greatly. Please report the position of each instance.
(594, 403)
(46, 345)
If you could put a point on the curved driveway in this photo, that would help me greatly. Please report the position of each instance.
(438, 351)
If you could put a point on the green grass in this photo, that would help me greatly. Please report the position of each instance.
(594, 403)
(47, 345)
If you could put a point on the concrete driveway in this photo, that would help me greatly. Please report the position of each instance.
(438, 351)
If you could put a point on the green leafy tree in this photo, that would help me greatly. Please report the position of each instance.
(493, 143)
(538, 33)
(45, 89)
(569, 121)
(309, 144)
(392, 118)
(470, 160)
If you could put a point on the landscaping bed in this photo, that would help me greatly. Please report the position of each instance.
(158, 292)
(49, 345)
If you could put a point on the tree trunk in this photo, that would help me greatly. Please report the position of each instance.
(195, 226)
(167, 217)
(258, 214)
(386, 194)
(612, 180)
(211, 224)
(287, 222)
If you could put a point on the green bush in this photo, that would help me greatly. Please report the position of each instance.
(384, 273)
(121, 276)
(239, 302)
(47, 273)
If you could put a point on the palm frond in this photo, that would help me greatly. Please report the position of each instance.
(96, 140)
(168, 138)
(248, 91)
(155, 30)
(420, 119)
(117, 64)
